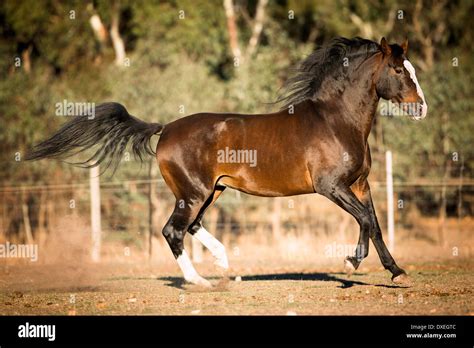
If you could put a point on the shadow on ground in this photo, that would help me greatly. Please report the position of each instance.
(341, 278)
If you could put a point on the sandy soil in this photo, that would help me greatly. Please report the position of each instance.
(266, 288)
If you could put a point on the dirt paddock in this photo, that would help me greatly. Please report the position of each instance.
(261, 288)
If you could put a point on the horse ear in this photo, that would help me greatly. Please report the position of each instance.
(386, 50)
(404, 46)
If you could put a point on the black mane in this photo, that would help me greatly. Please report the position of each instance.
(324, 62)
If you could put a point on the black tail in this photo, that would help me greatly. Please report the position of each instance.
(110, 131)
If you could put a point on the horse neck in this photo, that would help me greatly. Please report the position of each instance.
(355, 102)
(361, 106)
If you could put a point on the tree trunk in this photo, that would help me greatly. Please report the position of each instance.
(26, 58)
(257, 27)
(432, 36)
(119, 46)
(98, 28)
(232, 29)
(364, 27)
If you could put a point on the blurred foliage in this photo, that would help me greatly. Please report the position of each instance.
(176, 60)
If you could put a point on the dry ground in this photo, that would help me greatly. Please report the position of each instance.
(292, 275)
(132, 288)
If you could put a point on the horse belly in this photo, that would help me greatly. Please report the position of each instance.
(268, 182)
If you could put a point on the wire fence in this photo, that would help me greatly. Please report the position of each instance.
(125, 207)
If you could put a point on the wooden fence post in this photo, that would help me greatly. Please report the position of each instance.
(390, 218)
(95, 213)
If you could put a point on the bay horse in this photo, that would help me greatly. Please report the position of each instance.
(317, 143)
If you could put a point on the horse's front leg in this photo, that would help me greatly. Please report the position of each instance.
(399, 276)
(361, 191)
(345, 198)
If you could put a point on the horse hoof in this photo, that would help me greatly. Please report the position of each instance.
(348, 267)
(205, 283)
(200, 281)
(402, 279)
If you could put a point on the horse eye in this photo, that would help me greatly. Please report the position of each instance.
(398, 70)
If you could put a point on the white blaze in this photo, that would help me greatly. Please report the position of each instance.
(411, 70)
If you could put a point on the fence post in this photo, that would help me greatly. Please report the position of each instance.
(390, 208)
(95, 212)
(153, 205)
(276, 219)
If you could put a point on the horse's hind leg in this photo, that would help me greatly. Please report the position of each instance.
(216, 248)
(185, 212)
